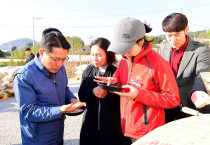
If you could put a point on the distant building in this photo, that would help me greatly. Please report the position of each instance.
(5, 50)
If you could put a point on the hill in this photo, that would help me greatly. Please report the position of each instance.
(19, 43)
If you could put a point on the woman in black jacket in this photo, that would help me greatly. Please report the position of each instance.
(101, 120)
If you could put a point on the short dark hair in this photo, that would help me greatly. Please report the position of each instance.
(28, 49)
(53, 39)
(48, 30)
(175, 22)
(104, 44)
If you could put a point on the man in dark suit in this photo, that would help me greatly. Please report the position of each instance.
(30, 55)
(187, 58)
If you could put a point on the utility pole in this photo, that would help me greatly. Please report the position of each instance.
(10, 45)
(33, 28)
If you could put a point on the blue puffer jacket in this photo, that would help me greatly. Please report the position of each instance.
(40, 97)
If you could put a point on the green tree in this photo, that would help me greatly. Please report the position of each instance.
(3, 63)
(11, 62)
(7, 54)
(35, 48)
(19, 54)
(87, 50)
(208, 34)
(29, 45)
(78, 45)
(14, 48)
(155, 39)
(200, 34)
(1, 53)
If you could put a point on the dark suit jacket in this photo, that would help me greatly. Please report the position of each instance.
(30, 57)
(196, 59)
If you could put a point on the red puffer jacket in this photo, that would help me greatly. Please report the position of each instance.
(154, 79)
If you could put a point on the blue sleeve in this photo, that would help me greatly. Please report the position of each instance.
(27, 100)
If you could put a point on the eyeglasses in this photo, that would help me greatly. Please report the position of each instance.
(55, 59)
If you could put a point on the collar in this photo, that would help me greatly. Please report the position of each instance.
(102, 69)
(183, 47)
(40, 66)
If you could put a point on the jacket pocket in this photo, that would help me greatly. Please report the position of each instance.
(32, 129)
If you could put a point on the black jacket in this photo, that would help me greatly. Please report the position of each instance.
(30, 57)
(101, 120)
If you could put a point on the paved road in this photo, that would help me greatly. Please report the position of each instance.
(10, 126)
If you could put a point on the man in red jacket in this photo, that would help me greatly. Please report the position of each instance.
(148, 81)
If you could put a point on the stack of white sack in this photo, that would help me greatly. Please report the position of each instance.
(8, 74)
(2, 88)
(79, 71)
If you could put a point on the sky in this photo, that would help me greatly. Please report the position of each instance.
(89, 19)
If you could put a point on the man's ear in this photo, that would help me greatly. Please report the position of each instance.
(186, 29)
(41, 52)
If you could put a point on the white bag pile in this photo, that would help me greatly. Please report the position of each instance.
(79, 71)
(6, 79)
(2, 93)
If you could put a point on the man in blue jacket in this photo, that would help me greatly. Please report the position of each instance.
(42, 93)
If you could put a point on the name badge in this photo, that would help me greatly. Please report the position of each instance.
(136, 83)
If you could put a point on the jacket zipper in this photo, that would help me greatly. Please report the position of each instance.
(132, 58)
(99, 112)
(99, 104)
(53, 79)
